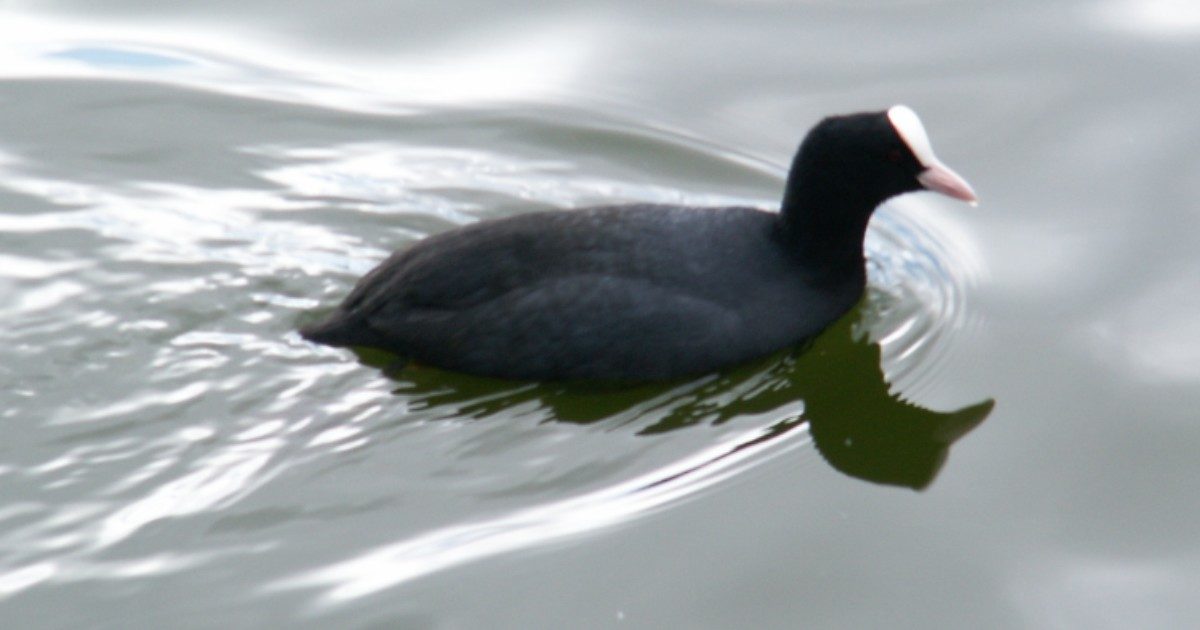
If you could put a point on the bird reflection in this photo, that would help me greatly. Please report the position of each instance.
(857, 424)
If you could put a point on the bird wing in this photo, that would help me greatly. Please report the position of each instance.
(579, 326)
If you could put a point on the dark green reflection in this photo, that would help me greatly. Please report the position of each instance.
(858, 426)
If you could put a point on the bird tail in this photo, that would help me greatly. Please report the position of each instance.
(342, 330)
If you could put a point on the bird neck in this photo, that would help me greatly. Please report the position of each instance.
(825, 222)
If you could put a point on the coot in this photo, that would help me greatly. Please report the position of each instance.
(646, 292)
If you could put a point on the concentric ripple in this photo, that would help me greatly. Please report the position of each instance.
(921, 269)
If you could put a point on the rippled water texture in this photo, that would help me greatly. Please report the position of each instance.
(177, 194)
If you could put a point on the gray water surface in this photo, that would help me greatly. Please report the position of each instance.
(180, 187)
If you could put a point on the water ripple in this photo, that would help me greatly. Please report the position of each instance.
(544, 524)
(165, 418)
(921, 269)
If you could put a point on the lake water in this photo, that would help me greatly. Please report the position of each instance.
(182, 185)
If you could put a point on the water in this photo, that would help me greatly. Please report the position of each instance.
(178, 190)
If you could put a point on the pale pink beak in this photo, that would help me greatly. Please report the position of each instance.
(939, 178)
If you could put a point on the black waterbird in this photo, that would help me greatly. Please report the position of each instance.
(647, 292)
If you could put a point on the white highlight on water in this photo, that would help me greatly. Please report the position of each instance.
(440, 549)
